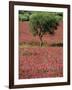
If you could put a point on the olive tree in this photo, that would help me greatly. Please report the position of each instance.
(42, 23)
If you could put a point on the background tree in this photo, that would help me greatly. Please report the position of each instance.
(24, 15)
(42, 23)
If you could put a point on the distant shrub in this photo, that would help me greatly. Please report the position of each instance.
(60, 14)
(24, 17)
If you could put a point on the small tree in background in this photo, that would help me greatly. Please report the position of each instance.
(24, 15)
(42, 23)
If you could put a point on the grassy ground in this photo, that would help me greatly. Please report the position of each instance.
(37, 62)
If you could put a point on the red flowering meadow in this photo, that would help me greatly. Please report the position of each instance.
(36, 61)
(26, 35)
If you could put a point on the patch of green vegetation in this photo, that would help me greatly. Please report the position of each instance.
(24, 17)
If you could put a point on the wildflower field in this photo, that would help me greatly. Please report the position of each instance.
(36, 61)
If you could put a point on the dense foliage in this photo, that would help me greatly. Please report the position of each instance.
(24, 15)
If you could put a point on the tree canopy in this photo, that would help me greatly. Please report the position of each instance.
(42, 23)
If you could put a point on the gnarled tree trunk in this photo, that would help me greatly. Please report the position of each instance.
(41, 41)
